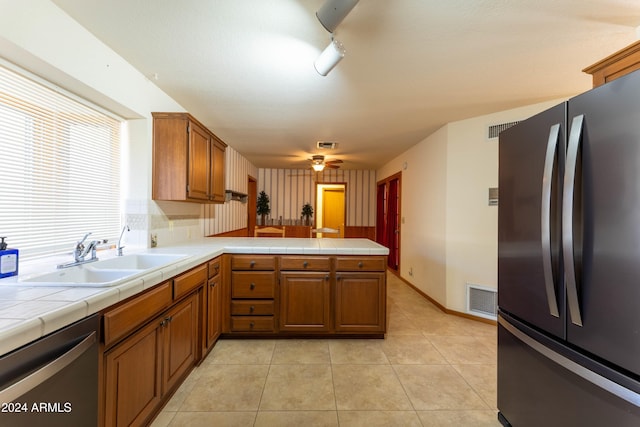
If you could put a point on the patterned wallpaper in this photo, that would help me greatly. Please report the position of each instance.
(289, 189)
(232, 215)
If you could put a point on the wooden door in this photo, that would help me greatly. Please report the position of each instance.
(305, 301)
(333, 210)
(199, 163)
(217, 175)
(214, 305)
(360, 302)
(180, 341)
(252, 205)
(132, 378)
(388, 218)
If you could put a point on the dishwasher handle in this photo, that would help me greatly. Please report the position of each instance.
(28, 383)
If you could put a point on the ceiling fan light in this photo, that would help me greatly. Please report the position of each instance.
(329, 58)
(318, 167)
(332, 12)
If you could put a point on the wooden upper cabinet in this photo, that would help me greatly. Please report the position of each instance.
(199, 163)
(616, 65)
(217, 186)
(188, 160)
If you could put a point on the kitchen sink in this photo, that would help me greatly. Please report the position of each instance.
(82, 275)
(138, 261)
(104, 273)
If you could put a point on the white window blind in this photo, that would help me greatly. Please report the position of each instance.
(60, 169)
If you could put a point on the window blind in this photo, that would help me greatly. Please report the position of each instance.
(60, 169)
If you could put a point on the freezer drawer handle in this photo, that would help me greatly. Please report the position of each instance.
(594, 378)
(547, 177)
(27, 384)
(575, 136)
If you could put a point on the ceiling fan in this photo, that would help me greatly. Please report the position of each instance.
(318, 163)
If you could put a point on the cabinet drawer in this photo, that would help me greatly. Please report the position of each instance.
(252, 323)
(374, 263)
(120, 321)
(248, 262)
(214, 267)
(301, 263)
(183, 284)
(253, 285)
(254, 308)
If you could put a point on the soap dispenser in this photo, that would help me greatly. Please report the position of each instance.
(8, 260)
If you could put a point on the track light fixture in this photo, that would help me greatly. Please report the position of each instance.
(332, 12)
(329, 57)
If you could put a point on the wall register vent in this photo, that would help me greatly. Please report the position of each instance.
(482, 301)
(493, 131)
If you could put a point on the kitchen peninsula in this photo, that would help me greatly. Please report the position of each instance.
(32, 310)
(162, 318)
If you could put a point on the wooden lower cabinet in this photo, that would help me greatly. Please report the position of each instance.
(213, 317)
(360, 302)
(180, 338)
(144, 367)
(305, 301)
(133, 389)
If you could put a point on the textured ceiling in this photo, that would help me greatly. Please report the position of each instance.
(245, 67)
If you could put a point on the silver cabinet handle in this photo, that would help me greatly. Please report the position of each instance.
(27, 384)
(567, 218)
(545, 218)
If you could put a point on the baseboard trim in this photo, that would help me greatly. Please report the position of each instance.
(440, 306)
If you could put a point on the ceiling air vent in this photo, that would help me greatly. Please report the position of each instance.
(326, 145)
(494, 130)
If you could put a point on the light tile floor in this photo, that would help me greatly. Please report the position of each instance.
(432, 369)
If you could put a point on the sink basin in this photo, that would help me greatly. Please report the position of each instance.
(108, 272)
(138, 261)
(83, 275)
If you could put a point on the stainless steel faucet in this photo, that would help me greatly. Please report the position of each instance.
(120, 247)
(80, 252)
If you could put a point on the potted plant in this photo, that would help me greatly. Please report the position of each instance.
(307, 213)
(263, 206)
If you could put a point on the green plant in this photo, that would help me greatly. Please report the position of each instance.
(263, 206)
(307, 212)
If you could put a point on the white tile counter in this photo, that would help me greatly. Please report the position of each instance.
(29, 311)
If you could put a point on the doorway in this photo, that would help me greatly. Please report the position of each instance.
(330, 208)
(252, 200)
(388, 202)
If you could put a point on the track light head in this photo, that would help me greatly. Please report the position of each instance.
(329, 57)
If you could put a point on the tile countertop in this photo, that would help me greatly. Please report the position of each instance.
(28, 311)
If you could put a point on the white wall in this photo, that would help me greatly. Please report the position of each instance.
(450, 236)
(424, 198)
(37, 36)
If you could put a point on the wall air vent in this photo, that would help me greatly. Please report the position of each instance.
(482, 301)
(493, 131)
(326, 145)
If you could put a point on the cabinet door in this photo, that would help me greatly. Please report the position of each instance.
(132, 378)
(360, 304)
(214, 306)
(198, 170)
(217, 171)
(305, 301)
(180, 341)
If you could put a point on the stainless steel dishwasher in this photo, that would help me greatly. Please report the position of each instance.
(54, 380)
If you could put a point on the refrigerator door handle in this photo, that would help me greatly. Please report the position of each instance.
(575, 136)
(545, 216)
(566, 363)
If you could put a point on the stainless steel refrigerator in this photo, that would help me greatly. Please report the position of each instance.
(569, 263)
